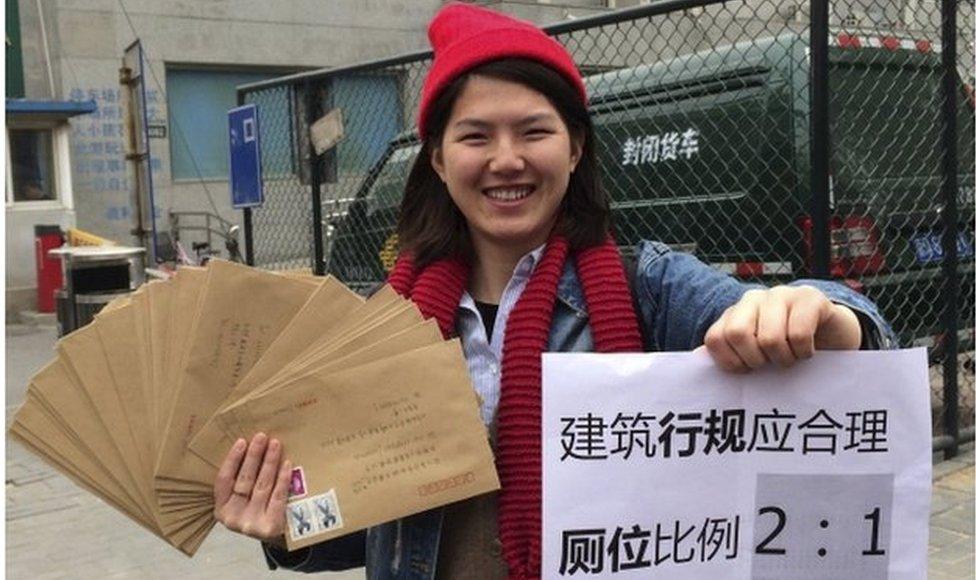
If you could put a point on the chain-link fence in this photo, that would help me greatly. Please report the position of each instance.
(772, 139)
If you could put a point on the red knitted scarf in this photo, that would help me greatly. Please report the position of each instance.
(437, 291)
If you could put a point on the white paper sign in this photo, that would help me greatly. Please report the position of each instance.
(663, 466)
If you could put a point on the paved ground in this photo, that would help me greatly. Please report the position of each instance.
(951, 534)
(54, 530)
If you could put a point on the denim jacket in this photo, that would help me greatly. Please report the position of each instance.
(679, 298)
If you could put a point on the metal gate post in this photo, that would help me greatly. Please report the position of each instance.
(949, 214)
(315, 179)
(819, 139)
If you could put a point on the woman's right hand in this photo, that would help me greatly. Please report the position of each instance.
(251, 489)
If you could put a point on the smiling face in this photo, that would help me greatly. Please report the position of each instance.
(506, 158)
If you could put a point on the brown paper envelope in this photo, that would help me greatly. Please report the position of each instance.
(176, 516)
(159, 301)
(186, 540)
(166, 485)
(34, 426)
(419, 336)
(378, 442)
(243, 311)
(172, 508)
(376, 307)
(190, 528)
(299, 273)
(186, 525)
(51, 411)
(40, 447)
(81, 352)
(215, 442)
(189, 284)
(367, 334)
(320, 353)
(58, 390)
(186, 310)
(123, 358)
(385, 313)
(190, 546)
(155, 316)
(189, 538)
(173, 514)
(74, 450)
(401, 336)
(167, 491)
(177, 513)
(60, 451)
(188, 287)
(172, 501)
(187, 529)
(122, 300)
(140, 338)
(47, 448)
(391, 319)
(115, 328)
(328, 305)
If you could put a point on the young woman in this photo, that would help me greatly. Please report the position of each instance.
(506, 240)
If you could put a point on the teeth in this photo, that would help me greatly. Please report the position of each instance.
(511, 194)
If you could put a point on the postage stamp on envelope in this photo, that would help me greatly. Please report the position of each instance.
(327, 515)
(297, 487)
(313, 516)
(300, 523)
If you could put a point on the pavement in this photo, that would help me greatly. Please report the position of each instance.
(55, 530)
(951, 536)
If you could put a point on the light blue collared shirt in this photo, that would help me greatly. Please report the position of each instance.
(484, 357)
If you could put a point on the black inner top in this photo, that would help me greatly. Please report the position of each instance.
(488, 313)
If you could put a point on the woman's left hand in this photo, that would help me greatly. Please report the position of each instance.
(781, 325)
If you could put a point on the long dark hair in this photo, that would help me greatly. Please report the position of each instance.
(430, 224)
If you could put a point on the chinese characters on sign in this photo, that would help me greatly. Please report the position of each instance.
(592, 551)
(669, 146)
(660, 465)
(640, 434)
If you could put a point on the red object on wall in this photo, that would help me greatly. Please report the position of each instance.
(49, 279)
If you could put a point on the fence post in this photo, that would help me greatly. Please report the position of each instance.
(819, 139)
(315, 179)
(950, 269)
(248, 223)
(248, 238)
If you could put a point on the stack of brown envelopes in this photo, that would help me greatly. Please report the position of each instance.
(374, 409)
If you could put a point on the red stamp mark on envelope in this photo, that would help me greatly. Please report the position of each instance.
(297, 487)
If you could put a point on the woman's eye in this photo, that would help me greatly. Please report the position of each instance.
(538, 132)
(472, 137)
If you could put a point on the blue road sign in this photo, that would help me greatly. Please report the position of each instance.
(246, 189)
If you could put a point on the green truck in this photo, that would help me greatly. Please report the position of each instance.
(710, 153)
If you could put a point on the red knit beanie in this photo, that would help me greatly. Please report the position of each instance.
(464, 36)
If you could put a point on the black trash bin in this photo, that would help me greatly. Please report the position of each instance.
(93, 277)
